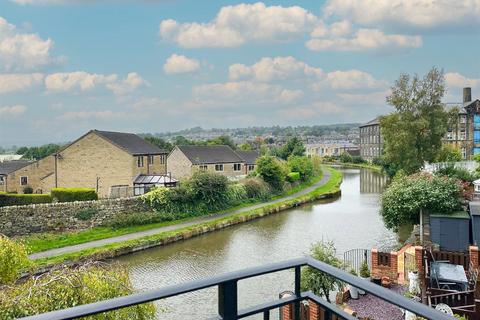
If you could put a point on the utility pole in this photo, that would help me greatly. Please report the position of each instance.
(98, 179)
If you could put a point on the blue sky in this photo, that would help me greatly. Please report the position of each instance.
(68, 66)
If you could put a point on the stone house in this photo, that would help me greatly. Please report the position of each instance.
(99, 160)
(250, 157)
(183, 161)
(8, 167)
(330, 148)
(371, 141)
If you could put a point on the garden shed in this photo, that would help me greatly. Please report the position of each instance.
(450, 230)
(474, 207)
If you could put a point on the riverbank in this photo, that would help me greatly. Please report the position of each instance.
(357, 165)
(327, 187)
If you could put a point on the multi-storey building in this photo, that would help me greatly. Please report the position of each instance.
(330, 148)
(371, 141)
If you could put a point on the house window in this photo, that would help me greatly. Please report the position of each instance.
(23, 181)
(219, 167)
(162, 159)
(140, 161)
(449, 135)
(203, 167)
(463, 135)
(464, 153)
(2, 180)
(237, 167)
(463, 119)
(150, 159)
(251, 167)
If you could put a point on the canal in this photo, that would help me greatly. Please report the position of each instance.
(351, 221)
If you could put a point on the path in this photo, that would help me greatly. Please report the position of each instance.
(141, 234)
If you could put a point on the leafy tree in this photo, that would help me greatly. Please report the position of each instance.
(302, 165)
(159, 142)
(413, 133)
(448, 153)
(223, 140)
(209, 188)
(345, 157)
(182, 141)
(38, 152)
(294, 146)
(404, 199)
(272, 171)
(245, 147)
(319, 282)
(13, 259)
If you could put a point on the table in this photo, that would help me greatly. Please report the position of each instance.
(452, 276)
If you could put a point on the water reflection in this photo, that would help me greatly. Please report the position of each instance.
(352, 221)
(372, 182)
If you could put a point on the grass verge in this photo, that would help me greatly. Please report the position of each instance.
(330, 189)
(47, 241)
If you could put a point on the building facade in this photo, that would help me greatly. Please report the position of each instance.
(99, 160)
(371, 141)
(331, 149)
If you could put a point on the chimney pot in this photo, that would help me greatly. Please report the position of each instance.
(467, 94)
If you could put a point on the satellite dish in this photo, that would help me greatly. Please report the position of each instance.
(442, 307)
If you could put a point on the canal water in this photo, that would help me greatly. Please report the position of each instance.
(352, 221)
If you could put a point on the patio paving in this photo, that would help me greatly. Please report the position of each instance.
(371, 307)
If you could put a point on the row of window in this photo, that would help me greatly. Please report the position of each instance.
(150, 159)
(219, 167)
(371, 152)
(370, 139)
(461, 136)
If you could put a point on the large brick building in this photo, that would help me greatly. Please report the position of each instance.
(371, 141)
(98, 159)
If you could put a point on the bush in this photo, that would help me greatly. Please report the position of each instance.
(378, 161)
(293, 176)
(70, 287)
(86, 214)
(28, 190)
(272, 171)
(209, 188)
(457, 173)
(73, 194)
(256, 188)
(358, 159)
(237, 193)
(13, 199)
(302, 165)
(364, 270)
(346, 158)
(13, 259)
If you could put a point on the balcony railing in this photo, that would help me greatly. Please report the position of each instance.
(228, 295)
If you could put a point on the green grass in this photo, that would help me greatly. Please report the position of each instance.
(47, 241)
(331, 187)
(358, 165)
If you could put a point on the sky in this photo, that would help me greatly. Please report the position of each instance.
(69, 66)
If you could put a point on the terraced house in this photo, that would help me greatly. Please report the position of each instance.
(99, 159)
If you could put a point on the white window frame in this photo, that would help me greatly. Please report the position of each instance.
(26, 181)
(219, 167)
(235, 165)
(140, 163)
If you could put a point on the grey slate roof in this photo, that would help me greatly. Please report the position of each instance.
(210, 154)
(250, 156)
(130, 142)
(371, 122)
(7, 167)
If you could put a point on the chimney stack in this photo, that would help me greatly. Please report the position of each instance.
(467, 94)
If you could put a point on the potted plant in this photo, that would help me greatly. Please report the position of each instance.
(353, 290)
(364, 274)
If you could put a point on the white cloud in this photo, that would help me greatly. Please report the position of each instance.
(411, 13)
(12, 111)
(177, 64)
(457, 80)
(87, 115)
(19, 82)
(132, 82)
(362, 40)
(235, 25)
(353, 79)
(22, 50)
(269, 69)
(315, 109)
(287, 96)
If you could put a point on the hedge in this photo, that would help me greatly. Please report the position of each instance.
(293, 176)
(73, 194)
(13, 199)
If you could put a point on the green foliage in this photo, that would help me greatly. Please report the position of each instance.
(317, 165)
(138, 219)
(12, 199)
(406, 196)
(293, 176)
(73, 194)
(448, 153)
(358, 160)
(159, 142)
(413, 134)
(457, 173)
(245, 147)
(318, 282)
(302, 165)
(345, 157)
(224, 141)
(272, 171)
(70, 287)
(27, 190)
(378, 161)
(256, 188)
(237, 193)
(86, 214)
(209, 188)
(36, 153)
(353, 272)
(364, 270)
(293, 147)
(13, 259)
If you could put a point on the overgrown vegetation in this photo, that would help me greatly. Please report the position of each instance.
(73, 194)
(13, 259)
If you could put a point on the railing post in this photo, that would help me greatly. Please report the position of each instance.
(228, 300)
(298, 290)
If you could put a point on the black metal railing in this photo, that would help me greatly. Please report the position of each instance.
(228, 298)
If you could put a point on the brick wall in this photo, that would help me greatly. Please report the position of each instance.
(23, 220)
(380, 270)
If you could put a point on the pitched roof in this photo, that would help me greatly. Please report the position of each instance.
(130, 142)
(371, 122)
(210, 154)
(7, 167)
(249, 156)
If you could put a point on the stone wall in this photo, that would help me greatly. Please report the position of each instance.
(23, 220)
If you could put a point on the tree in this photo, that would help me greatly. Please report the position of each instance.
(413, 133)
(39, 152)
(319, 282)
(245, 147)
(345, 157)
(223, 140)
(302, 165)
(294, 146)
(159, 142)
(408, 196)
(272, 171)
(449, 153)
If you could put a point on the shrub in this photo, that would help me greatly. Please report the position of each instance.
(364, 270)
(272, 171)
(256, 188)
(13, 199)
(457, 173)
(13, 259)
(302, 165)
(293, 176)
(86, 214)
(346, 158)
(378, 161)
(209, 188)
(27, 190)
(73, 194)
(70, 287)
(358, 159)
(237, 193)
